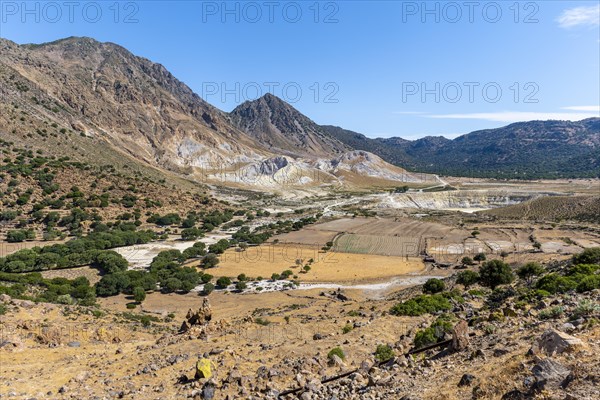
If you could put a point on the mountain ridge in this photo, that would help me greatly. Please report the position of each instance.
(108, 95)
(503, 152)
(103, 91)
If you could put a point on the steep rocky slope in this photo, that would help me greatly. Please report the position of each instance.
(103, 90)
(97, 102)
(283, 129)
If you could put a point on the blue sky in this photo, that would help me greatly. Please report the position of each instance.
(382, 68)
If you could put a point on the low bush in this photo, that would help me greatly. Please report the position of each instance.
(554, 283)
(384, 353)
(347, 328)
(422, 304)
(433, 286)
(336, 351)
(435, 332)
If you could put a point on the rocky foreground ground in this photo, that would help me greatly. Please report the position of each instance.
(500, 348)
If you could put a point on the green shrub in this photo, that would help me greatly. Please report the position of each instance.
(494, 273)
(20, 235)
(422, 304)
(467, 261)
(588, 256)
(223, 282)
(434, 285)
(552, 313)
(112, 284)
(208, 288)
(435, 332)
(588, 283)
(139, 294)
(262, 321)
(210, 261)
(585, 308)
(110, 262)
(530, 270)
(384, 353)
(2, 309)
(336, 351)
(554, 283)
(347, 328)
(479, 257)
(425, 337)
(583, 269)
(191, 233)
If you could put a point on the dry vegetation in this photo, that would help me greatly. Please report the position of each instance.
(553, 208)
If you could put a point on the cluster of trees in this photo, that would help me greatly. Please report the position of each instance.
(581, 276)
(20, 235)
(34, 287)
(190, 230)
(164, 220)
(76, 252)
(165, 272)
(244, 235)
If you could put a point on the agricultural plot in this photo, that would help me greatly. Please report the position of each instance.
(404, 227)
(341, 225)
(381, 245)
(307, 236)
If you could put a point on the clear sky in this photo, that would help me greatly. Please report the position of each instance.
(382, 68)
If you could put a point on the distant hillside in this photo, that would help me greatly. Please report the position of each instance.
(553, 208)
(283, 129)
(524, 150)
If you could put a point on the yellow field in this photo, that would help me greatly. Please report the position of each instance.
(327, 267)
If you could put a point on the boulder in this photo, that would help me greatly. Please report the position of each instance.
(208, 391)
(555, 342)
(203, 369)
(460, 336)
(550, 374)
(336, 361)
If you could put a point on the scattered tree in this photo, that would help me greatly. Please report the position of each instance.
(223, 282)
(467, 261)
(494, 273)
(139, 294)
(434, 286)
(467, 278)
(529, 271)
(479, 257)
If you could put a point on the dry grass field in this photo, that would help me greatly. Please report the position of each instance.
(332, 266)
(553, 208)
